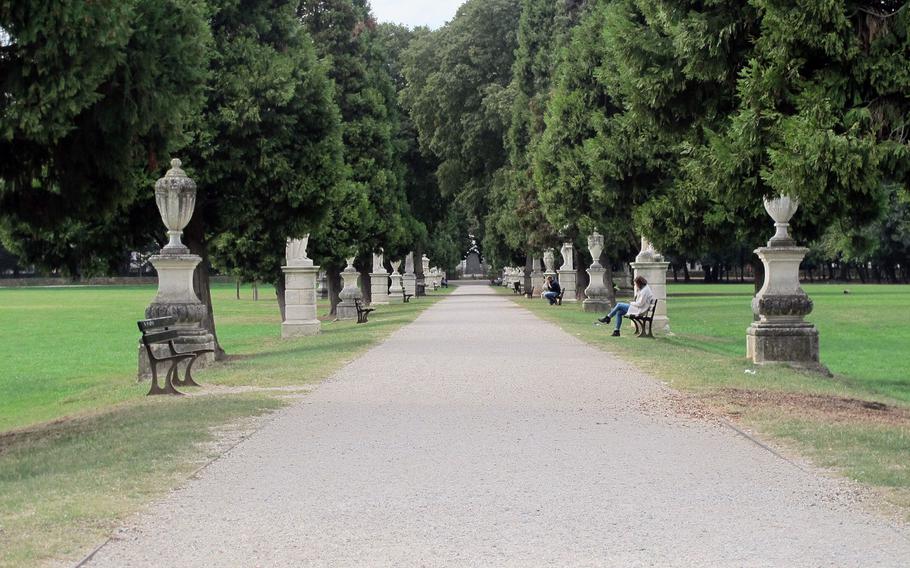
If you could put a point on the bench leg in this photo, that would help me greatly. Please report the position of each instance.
(168, 387)
(187, 377)
(650, 328)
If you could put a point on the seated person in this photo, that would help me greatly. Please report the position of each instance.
(551, 290)
(641, 304)
(516, 286)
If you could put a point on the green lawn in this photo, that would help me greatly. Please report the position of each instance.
(857, 422)
(81, 446)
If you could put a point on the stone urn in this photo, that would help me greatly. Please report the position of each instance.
(549, 261)
(175, 196)
(350, 293)
(596, 293)
(396, 290)
(781, 335)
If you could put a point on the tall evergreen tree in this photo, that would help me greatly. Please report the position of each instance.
(372, 210)
(267, 155)
(92, 96)
(457, 95)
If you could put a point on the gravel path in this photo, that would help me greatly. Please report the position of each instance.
(470, 438)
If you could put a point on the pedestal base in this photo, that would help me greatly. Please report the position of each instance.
(596, 306)
(346, 310)
(379, 289)
(292, 329)
(791, 343)
(409, 282)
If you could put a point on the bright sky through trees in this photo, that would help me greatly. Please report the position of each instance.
(432, 13)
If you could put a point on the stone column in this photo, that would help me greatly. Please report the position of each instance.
(396, 290)
(568, 279)
(347, 310)
(379, 282)
(536, 277)
(781, 335)
(651, 265)
(322, 290)
(423, 280)
(300, 292)
(624, 282)
(596, 295)
(175, 196)
(409, 280)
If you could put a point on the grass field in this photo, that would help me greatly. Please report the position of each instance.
(81, 446)
(856, 422)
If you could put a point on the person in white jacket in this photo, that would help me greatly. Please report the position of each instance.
(641, 304)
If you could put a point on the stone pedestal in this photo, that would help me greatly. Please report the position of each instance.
(597, 295)
(347, 309)
(650, 265)
(409, 280)
(396, 290)
(568, 283)
(322, 288)
(781, 335)
(176, 297)
(379, 283)
(299, 291)
(300, 318)
(624, 282)
(175, 196)
(537, 277)
(568, 278)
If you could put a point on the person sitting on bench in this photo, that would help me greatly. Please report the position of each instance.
(640, 304)
(552, 290)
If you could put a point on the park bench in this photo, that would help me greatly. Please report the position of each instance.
(157, 331)
(644, 322)
(363, 313)
(407, 297)
(517, 288)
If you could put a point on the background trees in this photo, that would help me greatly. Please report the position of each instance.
(92, 101)
(519, 123)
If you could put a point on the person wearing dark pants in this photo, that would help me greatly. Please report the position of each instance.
(641, 303)
(552, 290)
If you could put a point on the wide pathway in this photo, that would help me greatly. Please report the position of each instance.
(482, 436)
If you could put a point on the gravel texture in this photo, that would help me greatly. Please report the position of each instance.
(482, 436)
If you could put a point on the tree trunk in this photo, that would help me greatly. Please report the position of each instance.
(686, 276)
(279, 292)
(238, 288)
(529, 288)
(608, 278)
(333, 282)
(194, 236)
(365, 284)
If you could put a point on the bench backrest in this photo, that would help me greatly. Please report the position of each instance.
(653, 308)
(156, 323)
(157, 330)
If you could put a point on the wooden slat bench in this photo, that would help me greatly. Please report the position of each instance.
(644, 322)
(363, 314)
(158, 331)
